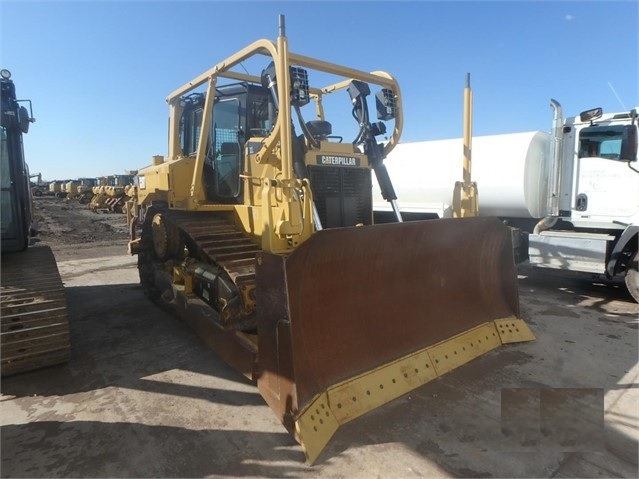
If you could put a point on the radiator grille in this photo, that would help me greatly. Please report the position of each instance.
(343, 196)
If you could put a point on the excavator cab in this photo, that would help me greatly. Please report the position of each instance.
(257, 229)
(14, 178)
(33, 311)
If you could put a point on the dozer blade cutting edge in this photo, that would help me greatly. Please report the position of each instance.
(356, 317)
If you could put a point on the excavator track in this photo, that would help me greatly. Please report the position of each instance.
(34, 321)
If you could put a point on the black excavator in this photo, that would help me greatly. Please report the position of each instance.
(33, 316)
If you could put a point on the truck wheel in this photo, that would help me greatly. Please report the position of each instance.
(632, 277)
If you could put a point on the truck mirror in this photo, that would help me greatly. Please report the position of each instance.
(24, 120)
(590, 115)
(629, 143)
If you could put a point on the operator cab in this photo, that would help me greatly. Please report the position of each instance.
(240, 112)
(243, 116)
(15, 188)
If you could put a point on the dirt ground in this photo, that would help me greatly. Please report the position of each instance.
(143, 396)
(73, 231)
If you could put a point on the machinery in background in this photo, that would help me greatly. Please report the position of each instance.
(39, 187)
(112, 194)
(55, 188)
(572, 194)
(80, 189)
(33, 315)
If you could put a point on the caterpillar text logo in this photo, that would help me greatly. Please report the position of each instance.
(337, 160)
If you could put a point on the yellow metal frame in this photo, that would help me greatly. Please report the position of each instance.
(277, 207)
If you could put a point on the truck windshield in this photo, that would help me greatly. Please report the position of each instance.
(601, 142)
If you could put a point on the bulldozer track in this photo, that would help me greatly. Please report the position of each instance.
(34, 321)
(214, 240)
(221, 241)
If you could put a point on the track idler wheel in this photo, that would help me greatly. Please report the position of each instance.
(167, 242)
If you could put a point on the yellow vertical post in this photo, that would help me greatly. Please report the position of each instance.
(197, 189)
(284, 94)
(288, 222)
(468, 113)
(465, 196)
(175, 113)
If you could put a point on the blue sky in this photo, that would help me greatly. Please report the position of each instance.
(98, 72)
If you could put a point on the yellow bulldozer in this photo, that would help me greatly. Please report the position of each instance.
(260, 235)
(111, 194)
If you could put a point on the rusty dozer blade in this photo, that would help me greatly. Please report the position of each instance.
(356, 317)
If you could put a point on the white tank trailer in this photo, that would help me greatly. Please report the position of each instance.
(572, 194)
(510, 171)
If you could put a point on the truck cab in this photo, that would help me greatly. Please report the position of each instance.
(596, 227)
(605, 190)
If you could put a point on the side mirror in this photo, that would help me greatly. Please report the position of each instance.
(590, 115)
(24, 120)
(629, 143)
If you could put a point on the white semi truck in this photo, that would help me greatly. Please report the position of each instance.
(573, 193)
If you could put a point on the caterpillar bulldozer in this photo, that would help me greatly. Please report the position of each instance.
(55, 189)
(111, 195)
(33, 316)
(262, 239)
(80, 189)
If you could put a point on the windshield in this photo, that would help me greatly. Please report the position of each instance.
(226, 118)
(601, 142)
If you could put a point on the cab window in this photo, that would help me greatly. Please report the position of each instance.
(227, 151)
(601, 142)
